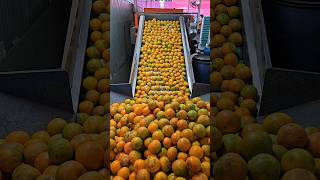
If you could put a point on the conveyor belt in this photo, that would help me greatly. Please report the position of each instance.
(186, 50)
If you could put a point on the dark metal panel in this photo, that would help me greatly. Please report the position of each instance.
(47, 87)
(33, 67)
(293, 34)
(16, 16)
(199, 89)
(122, 88)
(43, 44)
(286, 88)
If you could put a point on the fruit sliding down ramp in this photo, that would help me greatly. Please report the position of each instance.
(185, 48)
(248, 52)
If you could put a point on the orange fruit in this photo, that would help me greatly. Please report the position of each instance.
(95, 24)
(152, 127)
(42, 162)
(166, 142)
(90, 154)
(152, 164)
(132, 176)
(70, 170)
(18, 137)
(193, 164)
(25, 171)
(170, 113)
(196, 151)
(183, 156)
(183, 144)
(231, 59)
(154, 146)
(158, 135)
(143, 174)
(86, 107)
(215, 79)
(11, 156)
(172, 153)
(138, 165)
(182, 124)
(187, 133)
(160, 176)
(115, 166)
(33, 150)
(168, 130)
(134, 156)
(91, 175)
(179, 167)
(124, 172)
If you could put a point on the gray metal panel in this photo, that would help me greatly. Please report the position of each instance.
(120, 52)
(285, 88)
(136, 56)
(260, 34)
(251, 47)
(186, 52)
(250, 44)
(72, 29)
(75, 54)
(254, 21)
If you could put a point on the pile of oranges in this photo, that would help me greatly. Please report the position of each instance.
(161, 69)
(244, 149)
(96, 83)
(160, 139)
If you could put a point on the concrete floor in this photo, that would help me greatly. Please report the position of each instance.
(307, 114)
(116, 97)
(22, 114)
